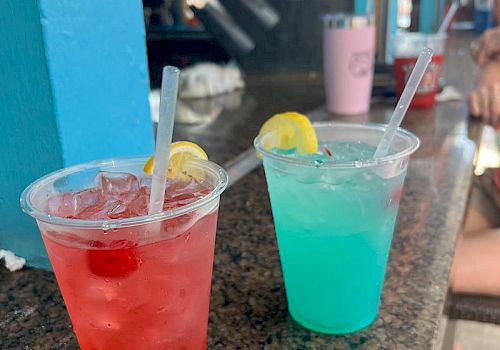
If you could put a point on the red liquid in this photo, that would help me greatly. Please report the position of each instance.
(141, 287)
(426, 92)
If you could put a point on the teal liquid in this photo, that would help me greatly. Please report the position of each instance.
(334, 229)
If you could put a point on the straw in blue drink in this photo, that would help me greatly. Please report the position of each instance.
(416, 76)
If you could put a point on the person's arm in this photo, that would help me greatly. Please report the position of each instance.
(484, 101)
(487, 48)
(476, 265)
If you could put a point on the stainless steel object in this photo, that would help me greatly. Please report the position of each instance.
(253, 13)
(221, 24)
(236, 24)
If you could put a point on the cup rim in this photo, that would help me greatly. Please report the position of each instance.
(435, 36)
(344, 20)
(344, 15)
(413, 145)
(29, 208)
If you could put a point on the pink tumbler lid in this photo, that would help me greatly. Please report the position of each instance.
(341, 20)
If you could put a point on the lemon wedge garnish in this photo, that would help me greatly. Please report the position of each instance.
(181, 153)
(289, 130)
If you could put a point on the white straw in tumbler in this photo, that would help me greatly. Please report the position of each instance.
(168, 101)
(416, 76)
(449, 16)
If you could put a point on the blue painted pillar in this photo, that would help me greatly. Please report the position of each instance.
(392, 27)
(73, 88)
(427, 16)
(360, 6)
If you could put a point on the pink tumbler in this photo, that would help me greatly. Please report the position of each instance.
(349, 55)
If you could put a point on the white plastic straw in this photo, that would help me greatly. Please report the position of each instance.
(404, 102)
(168, 100)
(449, 16)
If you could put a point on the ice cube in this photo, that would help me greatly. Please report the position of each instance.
(180, 193)
(62, 205)
(127, 204)
(118, 210)
(112, 184)
(139, 205)
(285, 152)
(178, 225)
(101, 292)
(174, 188)
(145, 182)
(85, 199)
(99, 210)
(99, 313)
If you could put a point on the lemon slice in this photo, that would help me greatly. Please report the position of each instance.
(289, 130)
(180, 153)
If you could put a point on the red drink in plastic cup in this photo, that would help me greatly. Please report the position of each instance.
(130, 280)
(407, 47)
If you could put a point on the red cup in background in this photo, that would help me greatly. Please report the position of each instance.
(407, 47)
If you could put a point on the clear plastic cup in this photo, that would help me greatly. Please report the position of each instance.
(407, 47)
(334, 224)
(133, 283)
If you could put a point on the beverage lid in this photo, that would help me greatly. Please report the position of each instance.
(409, 44)
(342, 20)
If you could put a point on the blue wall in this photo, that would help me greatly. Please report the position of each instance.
(392, 27)
(360, 6)
(73, 88)
(28, 146)
(96, 56)
(430, 11)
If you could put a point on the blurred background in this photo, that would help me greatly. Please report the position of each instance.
(279, 36)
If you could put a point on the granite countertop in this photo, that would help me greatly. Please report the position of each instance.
(236, 123)
(248, 305)
(248, 288)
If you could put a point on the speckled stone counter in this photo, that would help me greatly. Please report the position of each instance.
(248, 305)
(248, 288)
